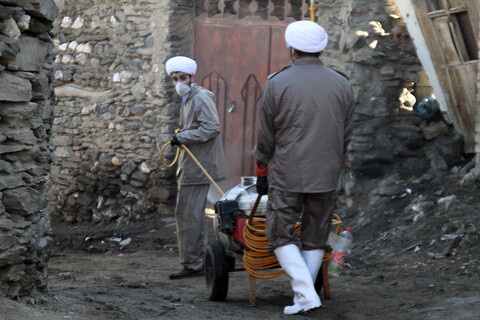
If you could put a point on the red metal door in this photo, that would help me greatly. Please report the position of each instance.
(234, 60)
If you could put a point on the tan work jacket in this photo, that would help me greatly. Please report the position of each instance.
(306, 122)
(200, 131)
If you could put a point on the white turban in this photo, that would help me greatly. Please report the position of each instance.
(306, 36)
(181, 64)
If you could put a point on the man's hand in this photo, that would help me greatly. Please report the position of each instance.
(174, 141)
(261, 171)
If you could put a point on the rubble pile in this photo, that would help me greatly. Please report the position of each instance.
(422, 215)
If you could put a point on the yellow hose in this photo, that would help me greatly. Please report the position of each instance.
(312, 10)
(256, 259)
(194, 159)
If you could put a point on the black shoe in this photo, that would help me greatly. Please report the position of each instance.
(186, 273)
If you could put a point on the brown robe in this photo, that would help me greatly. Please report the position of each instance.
(306, 122)
(200, 132)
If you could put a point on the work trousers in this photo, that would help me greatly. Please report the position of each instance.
(284, 210)
(192, 232)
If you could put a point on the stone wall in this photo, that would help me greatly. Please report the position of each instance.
(26, 79)
(370, 44)
(116, 107)
(477, 127)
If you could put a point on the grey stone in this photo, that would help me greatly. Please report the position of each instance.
(20, 135)
(32, 55)
(6, 224)
(14, 88)
(446, 203)
(5, 13)
(137, 183)
(6, 52)
(12, 256)
(150, 41)
(84, 199)
(388, 189)
(10, 182)
(11, 148)
(41, 86)
(138, 110)
(6, 166)
(138, 175)
(128, 167)
(434, 130)
(62, 140)
(104, 158)
(24, 22)
(23, 201)
(45, 9)
(38, 27)
(10, 28)
(7, 241)
(159, 193)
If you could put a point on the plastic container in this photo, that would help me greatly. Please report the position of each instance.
(341, 245)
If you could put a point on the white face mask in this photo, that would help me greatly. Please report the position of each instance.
(182, 89)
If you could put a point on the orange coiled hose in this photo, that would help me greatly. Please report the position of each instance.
(256, 260)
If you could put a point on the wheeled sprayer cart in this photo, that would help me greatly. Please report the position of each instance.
(240, 236)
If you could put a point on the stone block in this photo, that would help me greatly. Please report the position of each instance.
(10, 181)
(11, 148)
(6, 167)
(62, 140)
(45, 9)
(20, 135)
(32, 55)
(159, 193)
(434, 130)
(6, 224)
(10, 28)
(14, 88)
(23, 201)
(41, 86)
(6, 52)
(7, 241)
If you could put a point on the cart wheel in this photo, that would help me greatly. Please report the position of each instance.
(216, 271)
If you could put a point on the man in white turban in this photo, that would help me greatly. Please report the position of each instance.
(306, 121)
(199, 130)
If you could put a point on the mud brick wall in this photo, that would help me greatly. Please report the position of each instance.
(115, 107)
(26, 87)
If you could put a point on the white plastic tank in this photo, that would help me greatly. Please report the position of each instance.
(246, 194)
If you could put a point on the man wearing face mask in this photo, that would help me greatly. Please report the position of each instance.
(199, 130)
(306, 121)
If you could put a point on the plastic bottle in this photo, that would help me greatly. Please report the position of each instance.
(341, 246)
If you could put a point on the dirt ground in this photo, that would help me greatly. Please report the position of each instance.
(399, 268)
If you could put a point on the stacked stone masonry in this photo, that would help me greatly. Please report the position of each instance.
(477, 140)
(116, 106)
(26, 88)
